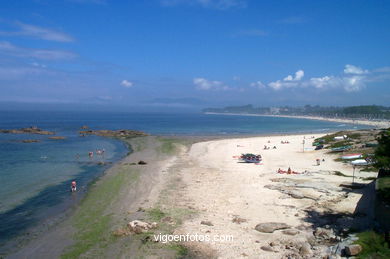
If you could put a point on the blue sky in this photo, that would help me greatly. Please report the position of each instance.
(186, 54)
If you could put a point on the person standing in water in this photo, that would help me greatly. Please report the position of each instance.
(73, 186)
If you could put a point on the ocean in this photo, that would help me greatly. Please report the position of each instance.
(36, 177)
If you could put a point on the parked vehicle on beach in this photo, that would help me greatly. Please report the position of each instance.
(250, 158)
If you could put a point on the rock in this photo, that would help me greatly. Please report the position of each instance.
(267, 248)
(305, 250)
(31, 140)
(120, 232)
(238, 220)
(141, 162)
(31, 130)
(114, 133)
(295, 194)
(270, 227)
(57, 137)
(206, 222)
(352, 250)
(291, 232)
(325, 234)
(137, 226)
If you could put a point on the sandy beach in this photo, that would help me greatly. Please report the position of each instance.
(233, 197)
(203, 189)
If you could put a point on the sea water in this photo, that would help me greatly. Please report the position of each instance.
(35, 177)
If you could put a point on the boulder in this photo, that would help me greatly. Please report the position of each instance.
(291, 232)
(305, 250)
(352, 250)
(141, 162)
(206, 222)
(267, 248)
(270, 227)
(137, 226)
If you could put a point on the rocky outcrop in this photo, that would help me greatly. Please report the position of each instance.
(270, 227)
(114, 133)
(137, 226)
(31, 140)
(57, 137)
(31, 130)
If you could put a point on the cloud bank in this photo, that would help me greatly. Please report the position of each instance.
(352, 79)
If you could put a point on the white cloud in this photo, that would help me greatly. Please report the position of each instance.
(350, 69)
(258, 84)
(38, 33)
(298, 76)
(45, 54)
(205, 84)
(320, 82)
(212, 4)
(277, 85)
(127, 83)
(352, 79)
(354, 83)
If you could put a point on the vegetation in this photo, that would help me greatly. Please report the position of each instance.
(373, 244)
(383, 184)
(92, 219)
(382, 152)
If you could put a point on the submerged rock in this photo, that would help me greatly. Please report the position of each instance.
(271, 227)
(31, 140)
(57, 137)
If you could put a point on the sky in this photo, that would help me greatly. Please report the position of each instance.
(191, 54)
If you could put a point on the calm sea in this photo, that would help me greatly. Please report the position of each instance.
(35, 177)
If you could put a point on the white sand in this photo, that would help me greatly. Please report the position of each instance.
(220, 187)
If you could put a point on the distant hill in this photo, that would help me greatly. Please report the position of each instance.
(362, 111)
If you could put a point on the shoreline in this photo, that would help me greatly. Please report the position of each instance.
(379, 124)
(127, 187)
(181, 171)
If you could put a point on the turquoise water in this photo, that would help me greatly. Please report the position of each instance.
(35, 177)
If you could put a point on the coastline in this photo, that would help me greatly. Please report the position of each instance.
(123, 188)
(188, 181)
(377, 124)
